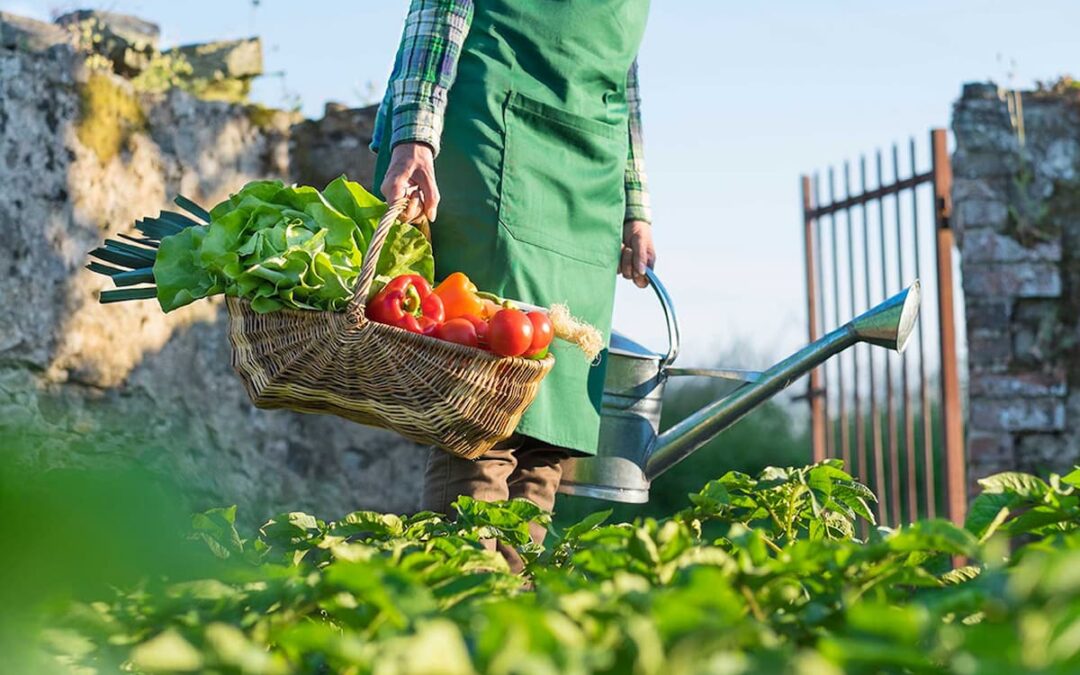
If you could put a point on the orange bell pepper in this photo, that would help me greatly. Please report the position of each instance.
(459, 296)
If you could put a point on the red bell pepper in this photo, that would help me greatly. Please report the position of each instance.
(407, 302)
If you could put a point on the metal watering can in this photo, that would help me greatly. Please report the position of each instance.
(632, 452)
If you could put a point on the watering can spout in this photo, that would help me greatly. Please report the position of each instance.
(887, 325)
(890, 324)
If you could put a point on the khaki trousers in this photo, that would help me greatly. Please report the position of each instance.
(520, 467)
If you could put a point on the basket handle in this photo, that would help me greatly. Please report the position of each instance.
(371, 257)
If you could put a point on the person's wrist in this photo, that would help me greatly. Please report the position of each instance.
(414, 147)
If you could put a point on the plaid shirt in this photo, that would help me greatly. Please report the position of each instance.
(424, 71)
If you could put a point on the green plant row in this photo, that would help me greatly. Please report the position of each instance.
(764, 574)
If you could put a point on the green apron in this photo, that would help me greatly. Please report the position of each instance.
(531, 172)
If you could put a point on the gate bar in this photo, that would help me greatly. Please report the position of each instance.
(924, 386)
(859, 448)
(951, 411)
(905, 398)
(893, 493)
(830, 431)
(816, 392)
(875, 412)
(844, 430)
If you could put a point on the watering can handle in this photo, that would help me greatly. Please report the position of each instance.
(669, 316)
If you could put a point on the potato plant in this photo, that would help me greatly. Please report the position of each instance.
(765, 574)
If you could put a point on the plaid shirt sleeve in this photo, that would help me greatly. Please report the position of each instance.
(637, 191)
(424, 70)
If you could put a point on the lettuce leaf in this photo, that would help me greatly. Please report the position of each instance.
(286, 247)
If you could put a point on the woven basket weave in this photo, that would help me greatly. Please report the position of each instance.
(458, 398)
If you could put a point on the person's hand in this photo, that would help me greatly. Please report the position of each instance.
(412, 165)
(637, 252)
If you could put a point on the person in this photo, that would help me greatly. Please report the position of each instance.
(519, 125)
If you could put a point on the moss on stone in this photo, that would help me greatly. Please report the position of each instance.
(162, 73)
(109, 116)
(261, 116)
(232, 90)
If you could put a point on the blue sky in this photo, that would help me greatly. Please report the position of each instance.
(740, 98)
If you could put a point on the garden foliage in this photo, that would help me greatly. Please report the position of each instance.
(765, 574)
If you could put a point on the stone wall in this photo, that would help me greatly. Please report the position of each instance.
(1017, 212)
(83, 153)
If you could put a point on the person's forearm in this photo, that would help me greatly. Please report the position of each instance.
(637, 191)
(427, 65)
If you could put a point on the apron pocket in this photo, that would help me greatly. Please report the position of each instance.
(562, 183)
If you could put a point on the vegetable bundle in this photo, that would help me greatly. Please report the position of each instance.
(456, 312)
(294, 247)
(278, 246)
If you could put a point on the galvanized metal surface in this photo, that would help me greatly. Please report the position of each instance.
(887, 325)
(631, 453)
(610, 478)
(734, 375)
(630, 416)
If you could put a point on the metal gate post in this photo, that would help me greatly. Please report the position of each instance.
(815, 393)
(951, 411)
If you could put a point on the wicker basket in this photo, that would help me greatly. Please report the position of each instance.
(458, 398)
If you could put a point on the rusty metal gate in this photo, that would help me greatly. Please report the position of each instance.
(895, 420)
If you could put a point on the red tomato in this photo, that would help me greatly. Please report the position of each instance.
(481, 327)
(460, 331)
(511, 333)
(542, 332)
(537, 355)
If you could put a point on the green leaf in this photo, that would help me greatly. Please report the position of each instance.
(986, 510)
(167, 652)
(368, 522)
(643, 547)
(854, 496)
(736, 480)
(180, 278)
(1038, 518)
(1011, 482)
(713, 497)
(406, 251)
(820, 482)
(262, 190)
(292, 531)
(177, 219)
(940, 536)
(126, 259)
(904, 625)
(590, 522)
(128, 294)
(192, 208)
(223, 237)
(134, 277)
(217, 527)
(354, 201)
(233, 648)
(961, 574)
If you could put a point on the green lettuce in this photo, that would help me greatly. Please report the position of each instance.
(286, 247)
